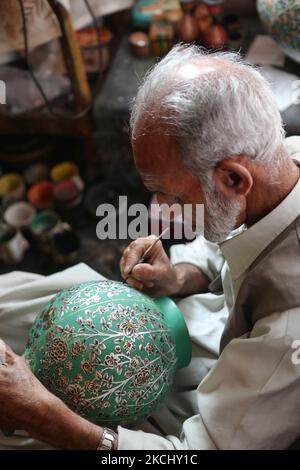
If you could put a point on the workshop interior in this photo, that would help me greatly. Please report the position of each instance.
(74, 179)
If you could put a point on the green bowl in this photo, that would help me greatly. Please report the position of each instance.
(108, 351)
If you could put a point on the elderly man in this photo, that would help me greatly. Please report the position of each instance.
(206, 130)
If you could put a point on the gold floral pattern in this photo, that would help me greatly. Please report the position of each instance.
(282, 20)
(58, 350)
(77, 349)
(87, 367)
(105, 350)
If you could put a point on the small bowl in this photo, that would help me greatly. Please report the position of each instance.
(66, 194)
(44, 222)
(20, 214)
(41, 195)
(140, 44)
(12, 188)
(63, 171)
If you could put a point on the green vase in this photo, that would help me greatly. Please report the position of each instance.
(282, 19)
(108, 351)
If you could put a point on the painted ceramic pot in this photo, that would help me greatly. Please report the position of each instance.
(108, 351)
(282, 20)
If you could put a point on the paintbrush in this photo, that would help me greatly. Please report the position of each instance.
(142, 259)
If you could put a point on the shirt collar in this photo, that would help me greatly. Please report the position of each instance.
(241, 250)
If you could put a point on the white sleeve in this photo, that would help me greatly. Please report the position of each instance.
(249, 400)
(205, 255)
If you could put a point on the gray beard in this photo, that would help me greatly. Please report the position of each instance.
(221, 217)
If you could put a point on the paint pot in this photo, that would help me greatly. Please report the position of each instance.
(12, 244)
(42, 228)
(66, 194)
(67, 171)
(68, 202)
(12, 188)
(64, 171)
(41, 195)
(20, 214)
(65, 247)
(140, 44)
(36, 173)
(44, 222)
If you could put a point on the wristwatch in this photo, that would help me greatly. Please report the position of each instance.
(108, 440)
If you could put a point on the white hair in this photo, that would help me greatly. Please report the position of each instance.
(222, 113)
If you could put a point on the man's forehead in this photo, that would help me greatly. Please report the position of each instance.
(154, 149)
(157, 162)
(194, 69)
(157, 140)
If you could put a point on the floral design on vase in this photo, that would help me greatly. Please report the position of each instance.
(107, 351)
(282, 20)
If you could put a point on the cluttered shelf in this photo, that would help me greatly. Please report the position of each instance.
(131, 64)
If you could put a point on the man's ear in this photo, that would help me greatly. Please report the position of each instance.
(233, 178)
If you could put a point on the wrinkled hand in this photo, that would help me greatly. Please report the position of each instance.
(23, 399)
(156, 276)
(26, 404)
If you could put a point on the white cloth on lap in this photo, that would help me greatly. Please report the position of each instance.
(23, 295)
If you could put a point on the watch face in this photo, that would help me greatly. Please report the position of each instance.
(107, 351)
(108, 440)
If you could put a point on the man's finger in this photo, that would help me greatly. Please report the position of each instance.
(134, 283)
(144, 272)
(135, 251)
(122, 266)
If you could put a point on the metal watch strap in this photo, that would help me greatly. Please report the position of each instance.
(108, 440)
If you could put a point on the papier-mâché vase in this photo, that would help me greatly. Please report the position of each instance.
(108, 351)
